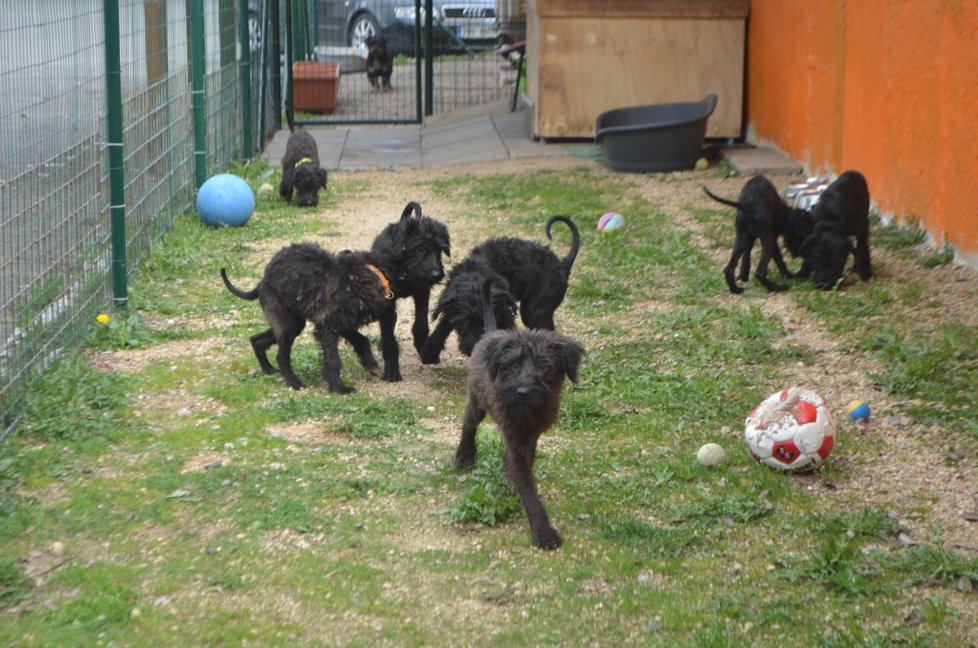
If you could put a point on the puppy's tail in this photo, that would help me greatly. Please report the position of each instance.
(488, 317)
(412, 208)
(251, 295)
(568, 260)
(725, 201)
(290, 117)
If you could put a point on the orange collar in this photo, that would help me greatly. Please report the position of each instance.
(388, 293)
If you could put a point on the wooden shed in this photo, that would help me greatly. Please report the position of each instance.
(588, 56)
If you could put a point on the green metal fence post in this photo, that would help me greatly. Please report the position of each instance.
(289, 107)
(429, 59)
(117, 177)
(275, 53)
(197, 71)
(245, 71)
(417, 58)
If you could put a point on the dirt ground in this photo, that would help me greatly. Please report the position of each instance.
(922, 473)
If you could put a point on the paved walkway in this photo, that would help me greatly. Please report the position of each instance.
(483, 134)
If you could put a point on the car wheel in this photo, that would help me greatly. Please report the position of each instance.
(364, 26)
(254, 32)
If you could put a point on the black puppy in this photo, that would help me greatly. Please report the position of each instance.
(409, 252)
(537, 279)
(459, 308)
(842, 211)
(380, 63)
(517, 377)
(762, 214)
(301, 172)
(338, 293)
(522, 271)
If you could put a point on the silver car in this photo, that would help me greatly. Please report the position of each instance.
(458, 24)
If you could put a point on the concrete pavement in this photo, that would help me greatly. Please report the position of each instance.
(486, 133)
(480, 134)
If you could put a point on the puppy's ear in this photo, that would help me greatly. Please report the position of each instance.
(285, 187)
(444, 244)
(570, 354)
(493, 353)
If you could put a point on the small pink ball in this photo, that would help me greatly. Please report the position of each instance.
(610, 221)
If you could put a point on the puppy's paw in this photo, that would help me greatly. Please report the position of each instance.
(547, 539)
(392, 376)
(342, 389)
(464, 461)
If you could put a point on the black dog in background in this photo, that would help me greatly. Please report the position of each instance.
(301, 172)
(762, 214)
(517, 377)
(842, 211)
(380, 63)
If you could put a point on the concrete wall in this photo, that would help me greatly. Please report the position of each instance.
(887, 87)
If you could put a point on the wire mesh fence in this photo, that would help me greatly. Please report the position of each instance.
(56, 247)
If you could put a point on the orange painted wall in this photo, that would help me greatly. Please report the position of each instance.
(888, 87)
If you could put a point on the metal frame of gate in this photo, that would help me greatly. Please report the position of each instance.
(450, 82)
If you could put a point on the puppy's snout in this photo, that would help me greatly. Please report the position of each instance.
(522, 392)
(437, 275)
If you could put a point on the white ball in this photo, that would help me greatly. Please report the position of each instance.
(791, 430)
(710, 454)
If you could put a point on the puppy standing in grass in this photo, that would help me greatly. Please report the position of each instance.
(517, 377)
(762, 214)
(522, 271)
(342, 292)
(301, 173)
(337, 293)
(842, 211)
(537, 278)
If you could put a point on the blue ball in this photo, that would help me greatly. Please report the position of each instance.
(858, 411)
(225, 199)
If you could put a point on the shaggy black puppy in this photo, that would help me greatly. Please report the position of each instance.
(842, 211)
(762, 214)
(380, 63)
(517, 376)
(301, 172)
(459, 308)
(537, 278)
(521, 270)
(409, 252)
(338, 293)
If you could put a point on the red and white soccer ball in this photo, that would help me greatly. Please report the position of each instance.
(792, 430)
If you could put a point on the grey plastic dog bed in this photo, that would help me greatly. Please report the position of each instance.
(657, 137)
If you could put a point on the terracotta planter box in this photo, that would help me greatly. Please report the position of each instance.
(314, 86)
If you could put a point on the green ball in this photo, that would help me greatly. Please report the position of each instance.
(702, 164)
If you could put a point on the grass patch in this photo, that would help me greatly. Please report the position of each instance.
(194, 500)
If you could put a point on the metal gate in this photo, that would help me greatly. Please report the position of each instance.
(462, 69)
